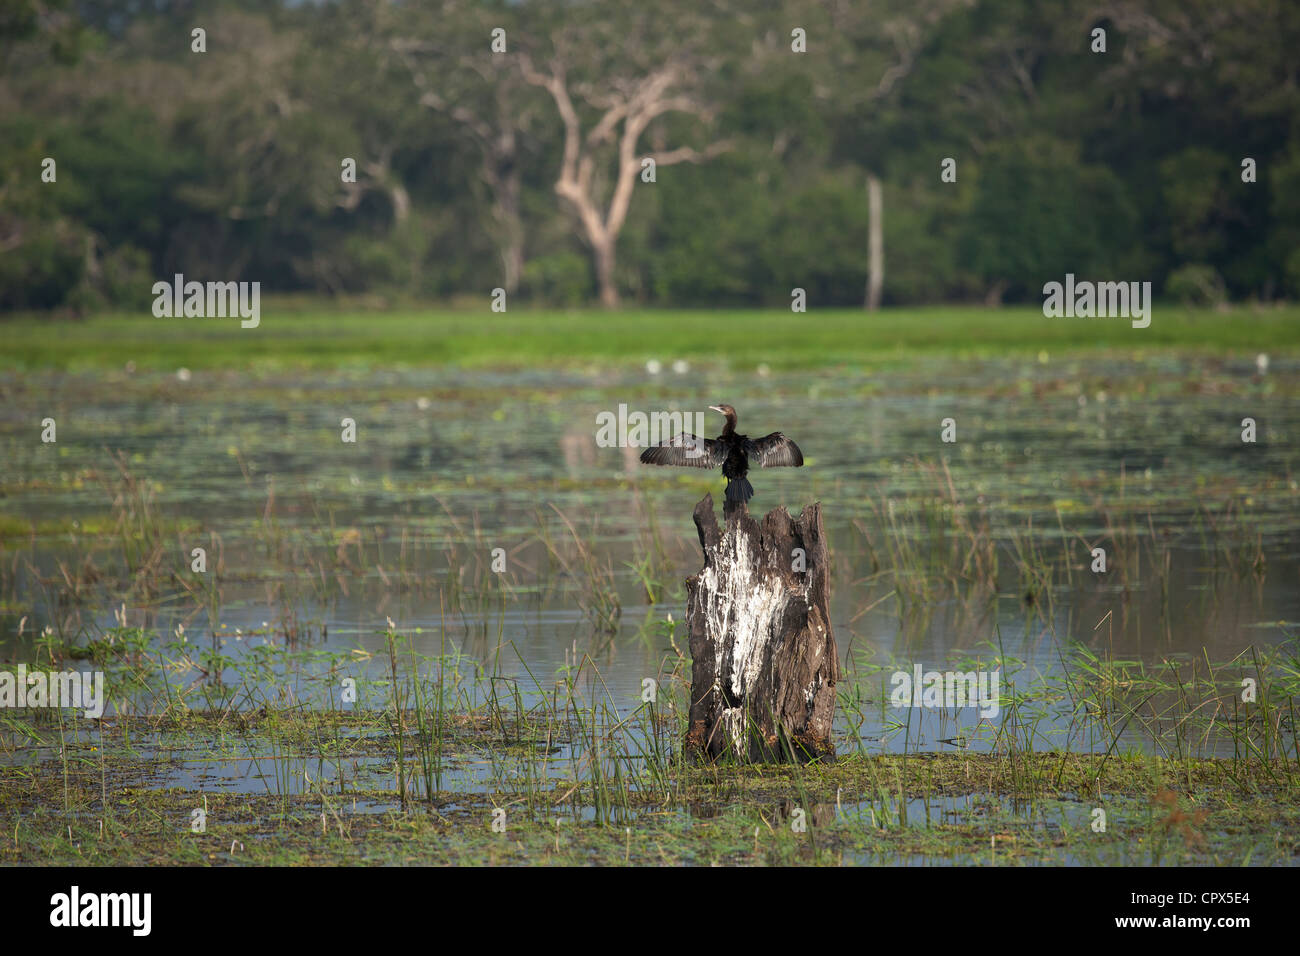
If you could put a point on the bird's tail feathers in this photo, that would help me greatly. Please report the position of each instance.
(739, 489)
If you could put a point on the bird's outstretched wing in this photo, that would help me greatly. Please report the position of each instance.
(774, 450)
(687, 451)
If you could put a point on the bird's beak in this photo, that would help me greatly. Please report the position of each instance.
(717, 408)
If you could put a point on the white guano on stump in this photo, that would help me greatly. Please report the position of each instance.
(764, 662)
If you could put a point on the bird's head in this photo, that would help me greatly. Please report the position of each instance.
(724, 409)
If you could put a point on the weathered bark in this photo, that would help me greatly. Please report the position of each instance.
(764, 661)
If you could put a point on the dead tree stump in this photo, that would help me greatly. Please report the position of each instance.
(764, 661)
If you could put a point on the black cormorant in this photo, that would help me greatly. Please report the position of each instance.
(733, 452)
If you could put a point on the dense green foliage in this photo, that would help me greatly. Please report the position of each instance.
(226, 164)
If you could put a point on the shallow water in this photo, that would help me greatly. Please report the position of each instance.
(314, 537)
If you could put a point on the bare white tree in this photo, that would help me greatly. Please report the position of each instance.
(616, 104)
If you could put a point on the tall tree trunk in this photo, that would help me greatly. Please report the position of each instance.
(509, 232)
(603, 250)
(401, 200)
(875, 244)
(512, 262)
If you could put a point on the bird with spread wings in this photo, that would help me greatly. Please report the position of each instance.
(732, 451)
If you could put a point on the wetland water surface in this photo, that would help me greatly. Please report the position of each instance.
(974, 554)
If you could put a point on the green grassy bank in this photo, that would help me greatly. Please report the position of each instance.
(299, 334)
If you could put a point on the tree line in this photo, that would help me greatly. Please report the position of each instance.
(668, 153)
